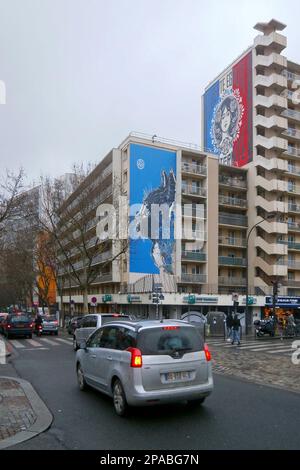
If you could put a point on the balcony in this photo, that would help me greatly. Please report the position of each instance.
(193, 278)
(232, 201)
(274, 80)
(191, 190)
(232, 281)
(292, 188)
(231, 261)
(290, 283)
(292, 264)
(291, 245)
(193, 255)
(233, 181)
(292, 151)
(291, 114)
(293, 170)
(290, 75)
(105, 277)
(193, 168)
(294, 226)
(294, 208)
(233, 219)
(293, 134)
(233, 242)
(275, 101)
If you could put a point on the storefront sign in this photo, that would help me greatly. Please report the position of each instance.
(194, 299)
(284, 301)
(133, 298)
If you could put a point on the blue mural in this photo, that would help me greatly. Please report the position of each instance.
(152, 181)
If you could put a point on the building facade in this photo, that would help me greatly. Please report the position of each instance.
(245, 179)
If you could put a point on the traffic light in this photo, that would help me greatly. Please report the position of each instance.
(155, 297)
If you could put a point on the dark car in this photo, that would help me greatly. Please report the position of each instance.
(73, 324)
(18, 325)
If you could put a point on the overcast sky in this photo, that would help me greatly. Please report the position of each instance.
(81, 74)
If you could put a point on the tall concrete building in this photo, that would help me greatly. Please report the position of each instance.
(244, 176)
(251, 119)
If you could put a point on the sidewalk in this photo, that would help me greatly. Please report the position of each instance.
(23, 415)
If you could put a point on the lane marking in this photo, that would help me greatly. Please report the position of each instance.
(280, 350)
(49, 341)
(34, 343)
(66, 341)
(37, 349)
(16, 344)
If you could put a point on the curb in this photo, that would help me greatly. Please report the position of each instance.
(43, 420)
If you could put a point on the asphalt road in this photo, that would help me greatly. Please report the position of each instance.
(238, 415)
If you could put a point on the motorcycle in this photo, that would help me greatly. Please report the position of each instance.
(38, 330)
(265, 327)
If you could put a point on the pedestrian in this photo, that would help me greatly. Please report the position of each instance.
(236, 325)
(229, 323)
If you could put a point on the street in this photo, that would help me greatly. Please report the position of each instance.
(238, 415)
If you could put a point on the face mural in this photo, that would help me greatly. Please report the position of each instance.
(152, 185)
(228, 115)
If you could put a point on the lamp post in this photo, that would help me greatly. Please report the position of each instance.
(269, 217)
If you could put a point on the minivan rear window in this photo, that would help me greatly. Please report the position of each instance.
(160, 341)
(109, 318)
(19, 318)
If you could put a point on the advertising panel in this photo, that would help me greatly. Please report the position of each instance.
(152, 185)
(228, 109)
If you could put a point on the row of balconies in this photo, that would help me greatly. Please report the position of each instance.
(233, 181)
(232, 201)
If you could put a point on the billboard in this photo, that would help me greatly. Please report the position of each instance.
(228, 109)
(152, 184)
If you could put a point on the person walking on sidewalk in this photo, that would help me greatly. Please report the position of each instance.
(236, 325)
(229, 323)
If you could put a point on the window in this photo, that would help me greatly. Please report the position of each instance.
(94, 340)
(125, 177)
(108, 338)
(125, 339)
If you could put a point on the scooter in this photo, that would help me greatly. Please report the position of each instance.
(38, 330)
(265, 327)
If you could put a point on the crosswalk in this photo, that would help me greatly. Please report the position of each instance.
(271, 347)
(40, 343)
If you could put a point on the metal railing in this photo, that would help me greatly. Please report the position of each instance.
(291, 113)
(232, 181)
(194, 168)
(193, 190)
(193, 255)
(293, 264)
(294, 226)
(294, 170)
(193, 278)
(232, 261)
(230, 241)
(290, 132)
(293, 151)
(232, 201)
(239, 220)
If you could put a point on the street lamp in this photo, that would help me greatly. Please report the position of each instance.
(267, 218)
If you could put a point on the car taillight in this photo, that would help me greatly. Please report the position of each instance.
(55, 322)
(169, 328)
(207, 353)
(40, 327)
(136, 357)
(8, 326)
(116, 315)
(31, 325)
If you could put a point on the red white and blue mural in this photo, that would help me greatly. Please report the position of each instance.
(228, 106)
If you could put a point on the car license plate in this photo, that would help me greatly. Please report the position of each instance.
(175, 376)
(20, 326)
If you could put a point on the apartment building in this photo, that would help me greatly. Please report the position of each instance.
(258, 95)
(245, 177)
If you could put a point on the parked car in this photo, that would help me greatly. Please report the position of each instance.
(3, 316)
(146, 363)
(90, 323)
(18, 325)
(49, 325)
(73, 324)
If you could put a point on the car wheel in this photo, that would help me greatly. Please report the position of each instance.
(119, 399)
(75, 345)
(81, 380)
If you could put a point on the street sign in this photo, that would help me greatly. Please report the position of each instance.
(94, 302)
(235, 297)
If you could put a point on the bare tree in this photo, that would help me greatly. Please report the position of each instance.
(11, 186)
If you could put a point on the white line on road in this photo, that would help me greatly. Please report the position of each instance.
(280, 350)
(37, 349)
(66, 341)
(16, 344)
(34, 343)
(259, 347)
(49, 341)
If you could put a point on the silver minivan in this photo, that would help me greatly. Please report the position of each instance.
(89, 323)
(146, 363)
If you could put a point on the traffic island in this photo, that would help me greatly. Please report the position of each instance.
(23, 415)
